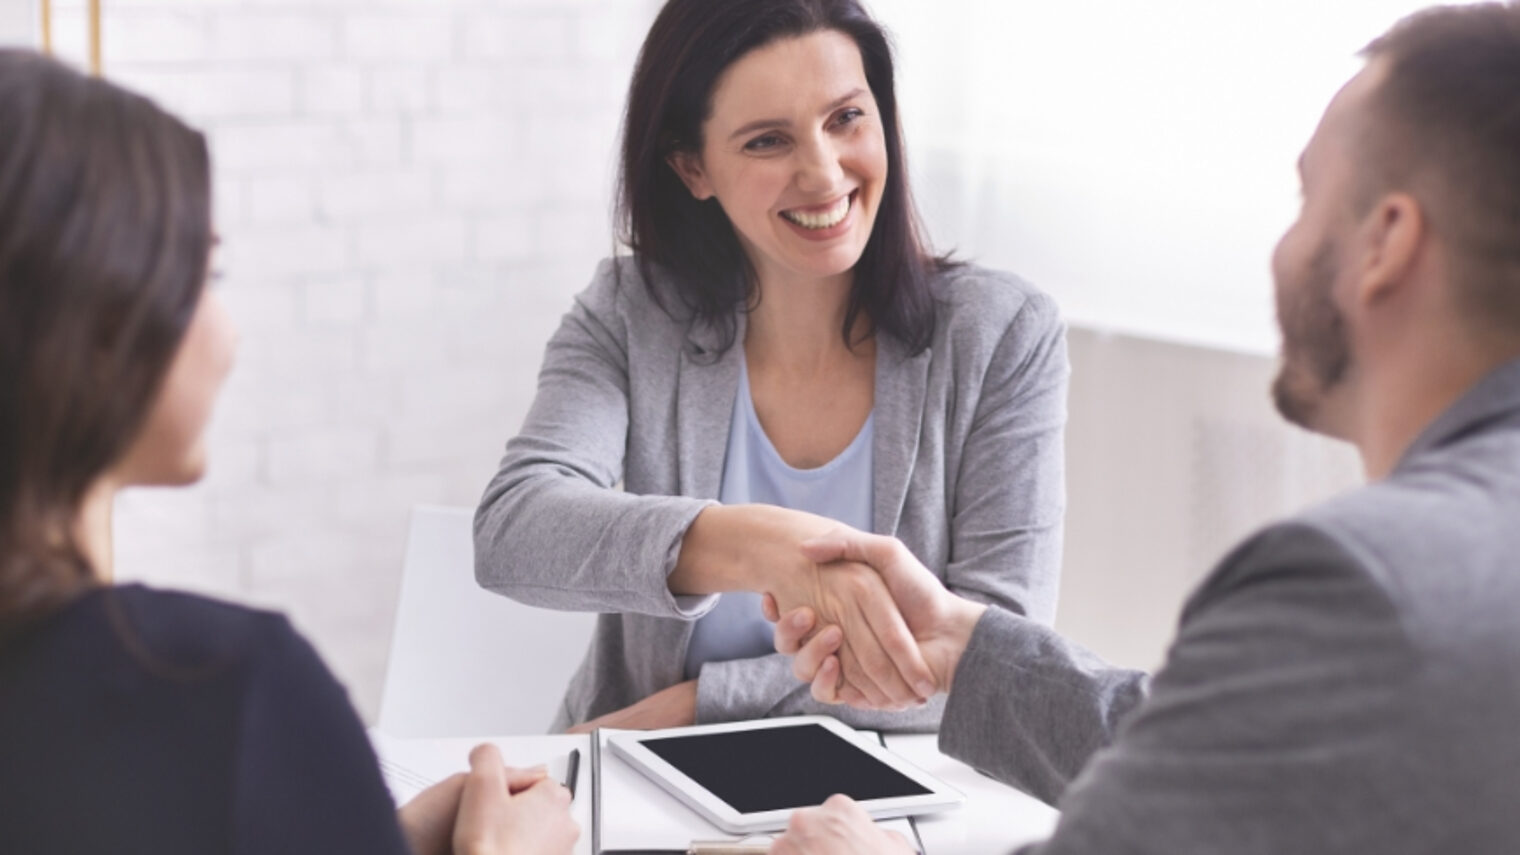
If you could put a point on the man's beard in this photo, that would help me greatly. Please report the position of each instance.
(1316, 355)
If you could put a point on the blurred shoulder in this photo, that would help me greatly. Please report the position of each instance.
(180, 630)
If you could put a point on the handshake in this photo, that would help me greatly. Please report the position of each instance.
(870, 626)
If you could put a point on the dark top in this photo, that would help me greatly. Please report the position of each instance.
(154, 722)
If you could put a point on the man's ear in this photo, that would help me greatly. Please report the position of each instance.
(1395, 233)
(689, 167)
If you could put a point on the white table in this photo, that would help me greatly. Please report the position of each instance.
(996, 818)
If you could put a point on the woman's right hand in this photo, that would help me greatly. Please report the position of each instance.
(497, 817)
(760, 548)
(942, 622)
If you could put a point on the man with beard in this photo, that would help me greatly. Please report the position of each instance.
(1347, 680)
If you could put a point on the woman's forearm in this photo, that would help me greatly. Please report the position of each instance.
(711, 559)
(760, 548)
(744, 548)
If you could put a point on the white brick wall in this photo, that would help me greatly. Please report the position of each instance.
(408, 194)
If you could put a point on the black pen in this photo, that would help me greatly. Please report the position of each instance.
(572, 770)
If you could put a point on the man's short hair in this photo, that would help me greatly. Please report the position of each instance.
(1445, 127)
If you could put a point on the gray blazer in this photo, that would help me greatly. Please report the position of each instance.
(1347, 681)
(968, 472)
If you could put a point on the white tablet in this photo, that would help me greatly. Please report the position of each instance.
(749, 776)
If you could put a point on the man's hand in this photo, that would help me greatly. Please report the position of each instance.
(759, 548)
(675, 706)
(941, 623)
(839, 827)
(496, 818)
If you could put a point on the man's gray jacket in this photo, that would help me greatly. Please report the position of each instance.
(1347, 681)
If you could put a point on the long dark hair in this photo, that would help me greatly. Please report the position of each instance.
(692, 242)
(105, 233)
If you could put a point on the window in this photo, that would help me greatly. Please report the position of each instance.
(1134, 159)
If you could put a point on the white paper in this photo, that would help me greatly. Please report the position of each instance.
(412, 765)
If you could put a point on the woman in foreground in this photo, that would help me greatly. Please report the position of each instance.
(135, 720)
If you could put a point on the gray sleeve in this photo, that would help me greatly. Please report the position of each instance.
(1030, 708)
(1271, 724)
(1010, 496)
(551, 529)
(763, 687)
(1005, 524)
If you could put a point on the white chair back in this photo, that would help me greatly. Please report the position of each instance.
(465, 661)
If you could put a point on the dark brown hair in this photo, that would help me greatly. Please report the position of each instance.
(1445, 126)
(692, 242)
(105, 233)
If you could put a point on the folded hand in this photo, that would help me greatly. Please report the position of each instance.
(498, 817)
(491, 809)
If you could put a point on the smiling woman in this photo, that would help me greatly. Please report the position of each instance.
(802, 190)
(781, 355)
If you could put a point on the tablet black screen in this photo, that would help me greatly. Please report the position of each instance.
(777, 768)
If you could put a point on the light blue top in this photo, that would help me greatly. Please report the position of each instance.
(753, 472)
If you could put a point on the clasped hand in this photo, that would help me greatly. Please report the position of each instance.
(877, 655)
(939, 623)
(759, 548)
